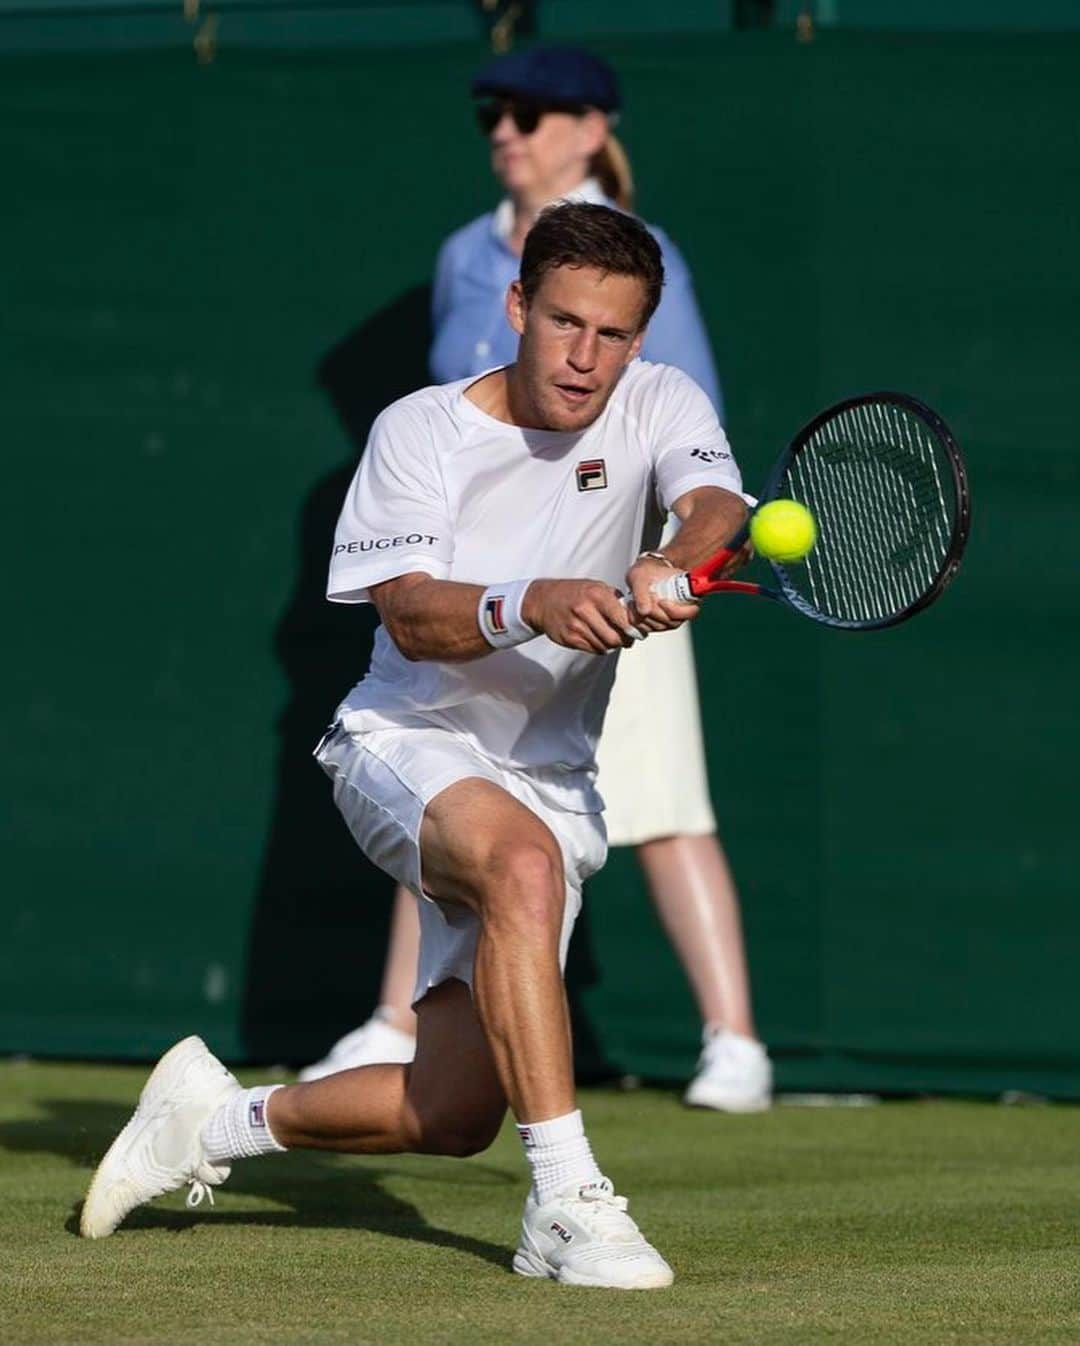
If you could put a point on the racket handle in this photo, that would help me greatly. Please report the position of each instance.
(676, 587)
(632, 631)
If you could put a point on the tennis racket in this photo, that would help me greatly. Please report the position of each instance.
(884, 479)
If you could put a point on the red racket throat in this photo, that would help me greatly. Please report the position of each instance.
(708, 577)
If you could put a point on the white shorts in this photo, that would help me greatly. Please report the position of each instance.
(651, 757)
(383, 781)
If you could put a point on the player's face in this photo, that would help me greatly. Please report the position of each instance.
(542, 162)
(582, 328)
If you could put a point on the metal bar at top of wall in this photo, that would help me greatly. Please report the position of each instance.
(60, 9)
(134, 25)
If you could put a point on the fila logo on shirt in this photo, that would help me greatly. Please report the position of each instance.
(711, 455)
(591, 475)
(496, 623)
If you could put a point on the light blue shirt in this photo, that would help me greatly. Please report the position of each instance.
(473, 271)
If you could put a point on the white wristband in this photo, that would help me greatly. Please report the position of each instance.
(499, 615)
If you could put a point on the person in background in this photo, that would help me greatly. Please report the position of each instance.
(547, 113)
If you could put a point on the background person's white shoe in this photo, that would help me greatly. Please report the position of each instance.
(734, 1075)
(375, 1043)
(583, 1236)
(160, 1149)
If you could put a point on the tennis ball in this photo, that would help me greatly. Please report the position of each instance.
(783, 530)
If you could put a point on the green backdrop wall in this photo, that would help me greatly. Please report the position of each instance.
(216, 276)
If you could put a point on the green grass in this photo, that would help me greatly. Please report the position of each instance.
(919, 1222)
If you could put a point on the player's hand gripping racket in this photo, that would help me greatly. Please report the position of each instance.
(884, 479)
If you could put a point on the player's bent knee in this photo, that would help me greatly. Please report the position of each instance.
(526, 886)
(460, 1143)
(458, 1137)
(525, 867)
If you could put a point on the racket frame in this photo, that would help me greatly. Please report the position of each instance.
(698, 582)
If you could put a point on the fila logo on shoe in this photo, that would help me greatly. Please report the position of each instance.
(561, 1231)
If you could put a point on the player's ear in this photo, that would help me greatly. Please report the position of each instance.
(516, 306)
(634, 349)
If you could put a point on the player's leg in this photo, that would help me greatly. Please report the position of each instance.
(485, 850)
(499, 858)
(499, 869)
(390, 1034)
(504, 921)
(449, 1101)
(194, 1119)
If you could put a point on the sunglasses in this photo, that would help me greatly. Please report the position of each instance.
(523, 112)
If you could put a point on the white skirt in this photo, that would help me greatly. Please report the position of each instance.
(652, 758)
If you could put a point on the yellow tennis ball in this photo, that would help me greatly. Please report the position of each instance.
(783, 530)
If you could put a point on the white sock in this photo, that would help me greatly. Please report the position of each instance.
(558, 1153)
(239, 1129)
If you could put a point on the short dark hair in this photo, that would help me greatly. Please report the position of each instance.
(576, 233)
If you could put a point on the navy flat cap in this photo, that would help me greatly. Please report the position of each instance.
(551, 74)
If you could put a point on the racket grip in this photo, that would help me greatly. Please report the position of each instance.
(675, 587)
(632, 631)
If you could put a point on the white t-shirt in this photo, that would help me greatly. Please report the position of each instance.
(446, 489)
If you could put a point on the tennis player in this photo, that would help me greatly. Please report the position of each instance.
(547, 113)
(492, 522)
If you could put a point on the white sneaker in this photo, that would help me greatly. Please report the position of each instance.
(734, 1074)
(583, 1236)
(375, 1043)
(160, 1149)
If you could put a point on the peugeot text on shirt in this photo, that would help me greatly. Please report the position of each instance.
(382, 543)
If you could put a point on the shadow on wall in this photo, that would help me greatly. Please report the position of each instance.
(322, 911)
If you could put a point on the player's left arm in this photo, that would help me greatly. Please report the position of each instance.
(710, 517)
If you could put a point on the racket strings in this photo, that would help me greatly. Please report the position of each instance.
(877, 481)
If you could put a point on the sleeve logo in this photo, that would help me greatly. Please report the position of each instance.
(385, 543)
(591, 475)
(711, 455)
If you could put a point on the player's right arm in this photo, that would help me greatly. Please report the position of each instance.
(394, 547)
(429, 618)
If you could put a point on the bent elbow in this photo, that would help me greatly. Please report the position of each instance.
(403, 637)
(408, 646)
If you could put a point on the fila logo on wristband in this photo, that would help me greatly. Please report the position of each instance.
(498, 615)
(493, 614)
(591, 475)
(257, 1112)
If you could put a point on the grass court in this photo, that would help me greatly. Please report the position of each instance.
(914, 1222)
